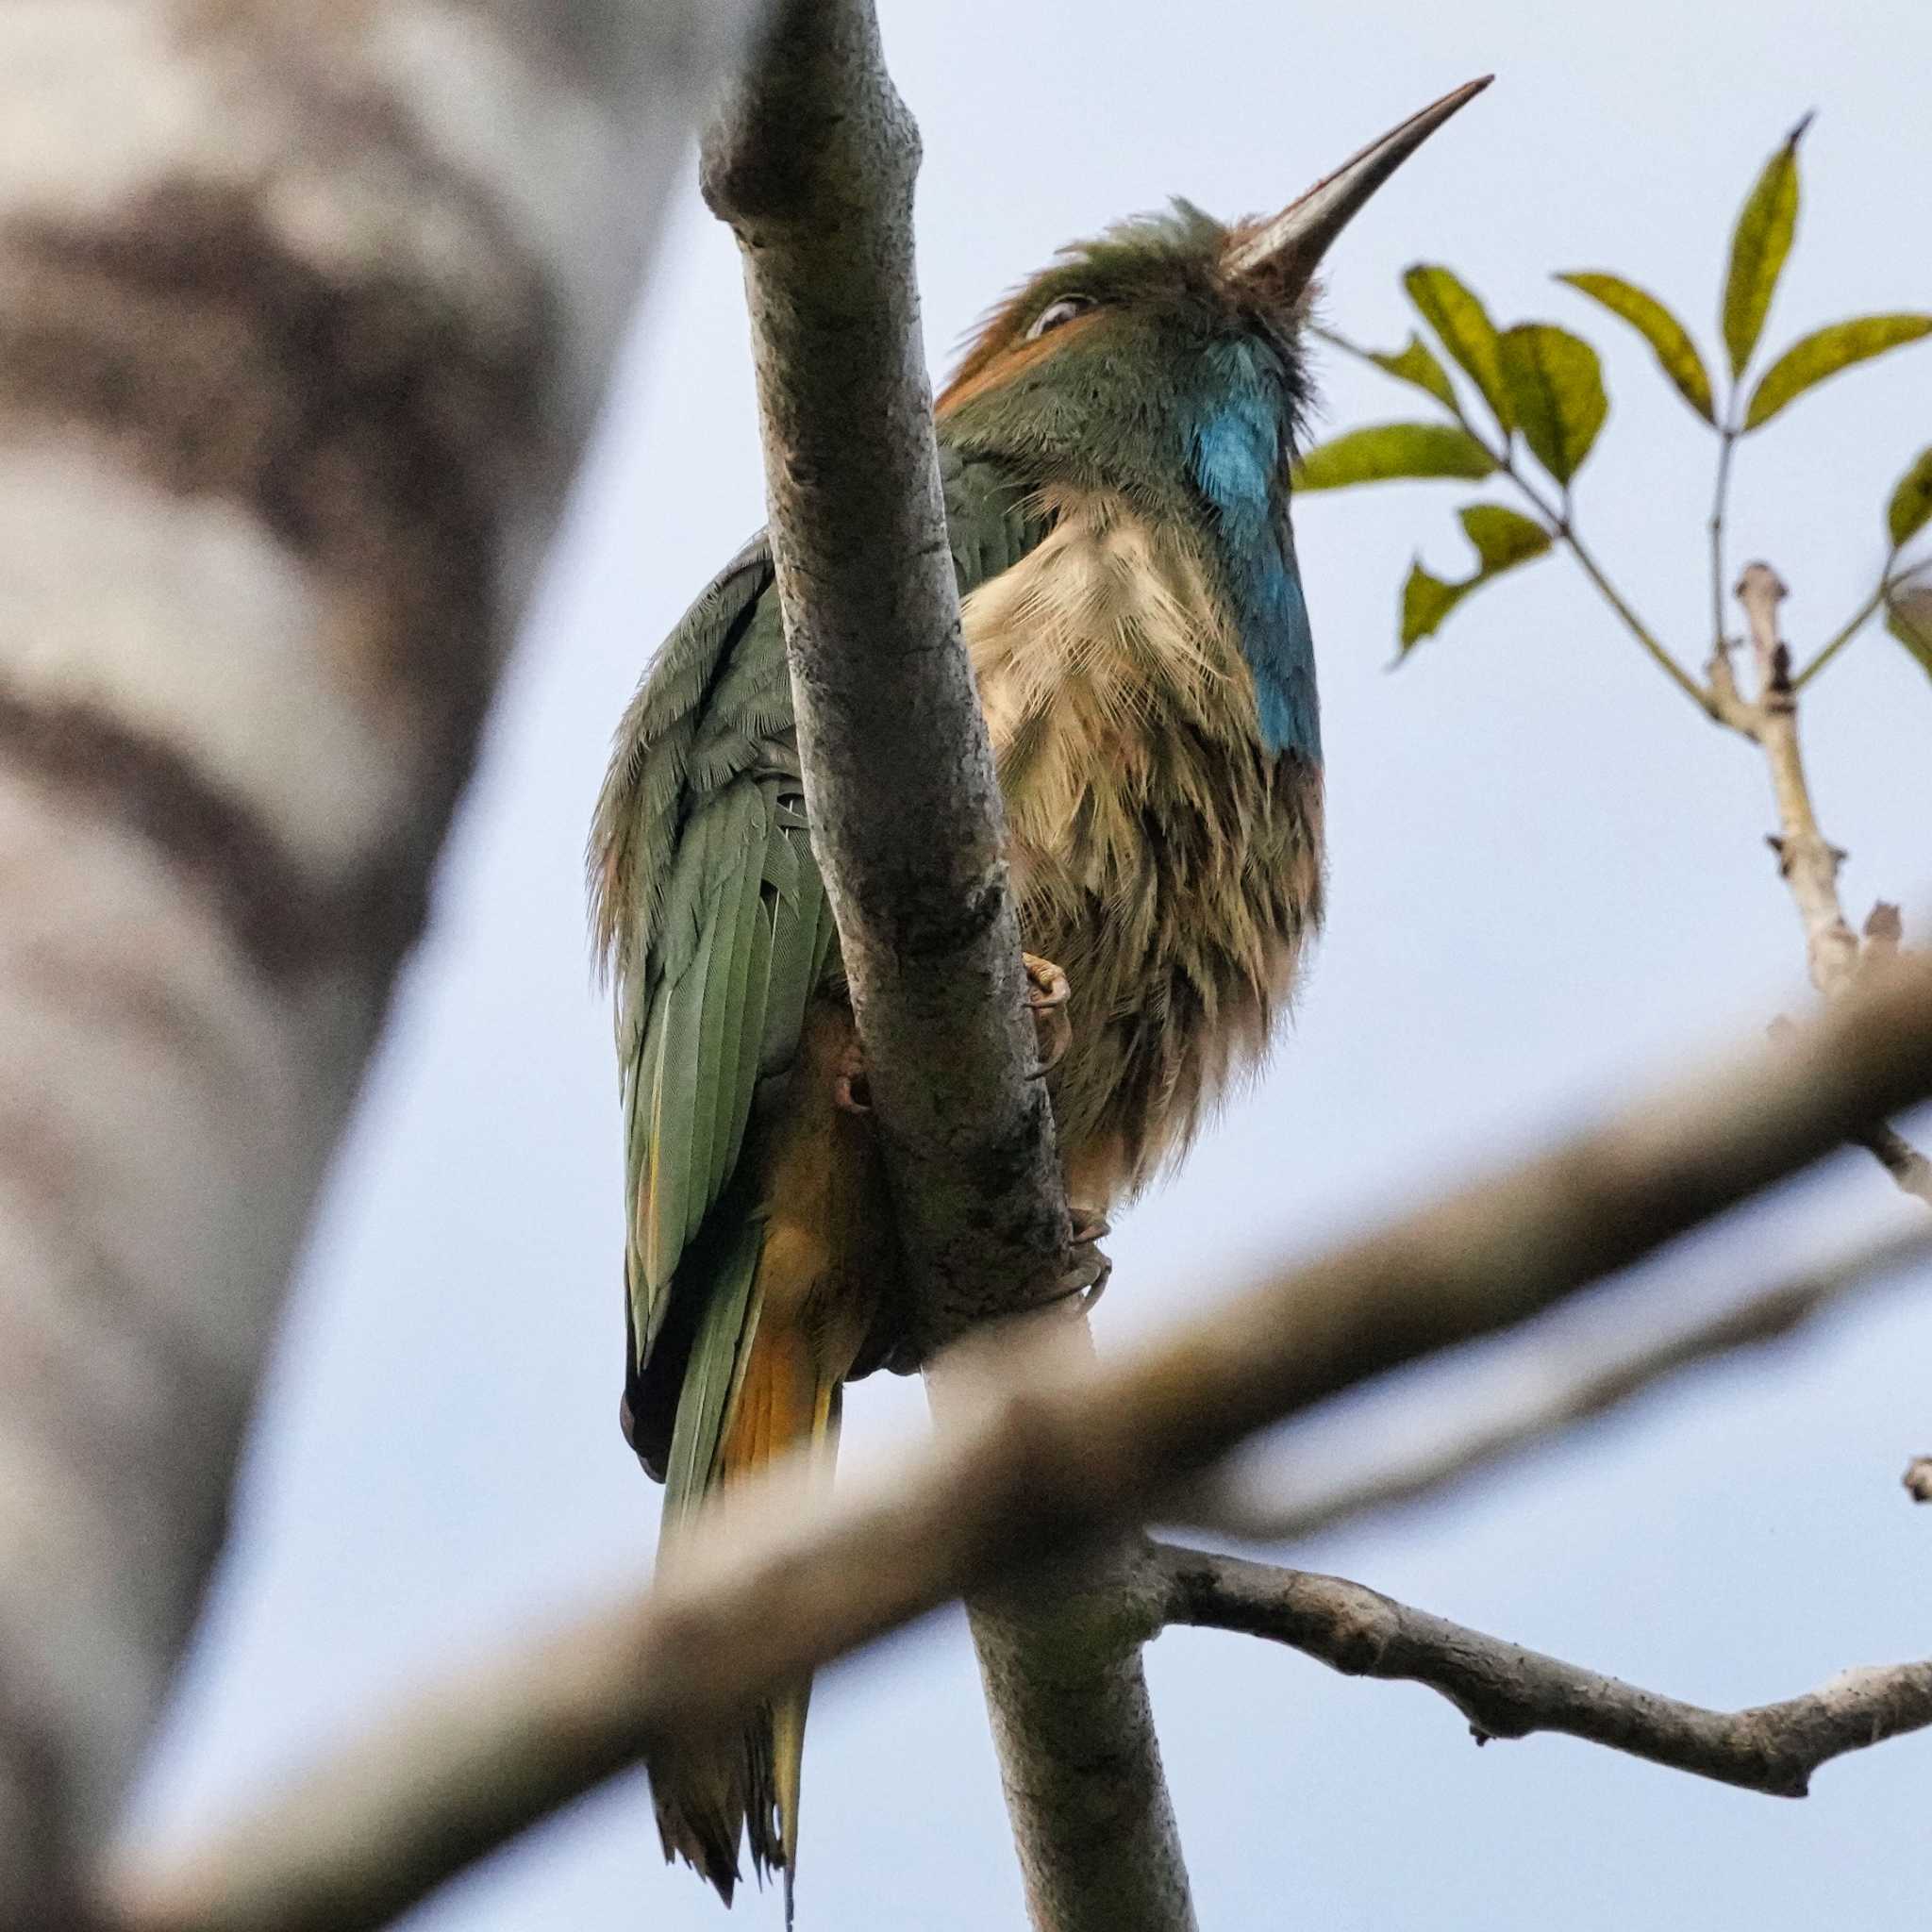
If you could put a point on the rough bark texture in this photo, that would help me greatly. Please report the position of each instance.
(1079, 1757)
(812, 164)
(1060, 1656)
(1056, 1456)
(1506, 1692)
(302, 311)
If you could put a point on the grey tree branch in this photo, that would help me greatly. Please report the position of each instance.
(1055, 1455)
(1569, 1379)
(1807, 861)
(812, 164)
(303, 313)
(1506, 1692)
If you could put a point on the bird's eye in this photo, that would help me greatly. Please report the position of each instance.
(1055, 312)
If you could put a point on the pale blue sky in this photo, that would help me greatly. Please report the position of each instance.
(1548, 877)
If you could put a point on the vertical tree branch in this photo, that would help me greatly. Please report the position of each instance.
(1807, 861)
(1060, 1656)
(813, 165)
(303, 313)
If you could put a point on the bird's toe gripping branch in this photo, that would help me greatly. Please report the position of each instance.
(1047, 995)
(1087, 1268)
(851, 1093)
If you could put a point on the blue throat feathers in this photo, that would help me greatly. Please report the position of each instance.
(1241, 466)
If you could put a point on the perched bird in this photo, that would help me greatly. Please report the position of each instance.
(1115, 451)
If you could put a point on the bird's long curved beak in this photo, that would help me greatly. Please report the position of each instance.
(1287, 249)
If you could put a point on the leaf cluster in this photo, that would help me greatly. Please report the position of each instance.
(1541, 405)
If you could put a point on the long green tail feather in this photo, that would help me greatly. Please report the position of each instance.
(718, 1354)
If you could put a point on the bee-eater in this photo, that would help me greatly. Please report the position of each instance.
(1115, 451)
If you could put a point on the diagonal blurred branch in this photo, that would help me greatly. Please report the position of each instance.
(1506, 1692)
(1569, 1380)
(812, 164)
(303, 311)
(1053, 1456)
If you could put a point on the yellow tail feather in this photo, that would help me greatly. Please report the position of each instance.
(706, 1795)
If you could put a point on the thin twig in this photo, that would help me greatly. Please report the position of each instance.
(1572, 1377)
(1508, 1692)
(779, 1589)
(1851, 627)
(1635, 624)
(1719, 507)
(1563, 528)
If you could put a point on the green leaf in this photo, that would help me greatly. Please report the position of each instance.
(1911, 502)
(1557, 385)
(1668, 337)
(1425, 602)
(1808, 362)
(1760, 244)
(1466, 331)
(1389, 452)
(1417, 364)
(1908, 618)
(1502, 538)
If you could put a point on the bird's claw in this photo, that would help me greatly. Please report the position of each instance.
(851, 1092)
(1086, 1269)
(1047, 993)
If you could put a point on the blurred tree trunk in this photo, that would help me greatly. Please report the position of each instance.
(303, 313)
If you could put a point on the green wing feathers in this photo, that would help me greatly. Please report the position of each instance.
(711, 916)
(706, 904)
(712, 921)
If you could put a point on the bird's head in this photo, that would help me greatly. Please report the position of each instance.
(1165, 360)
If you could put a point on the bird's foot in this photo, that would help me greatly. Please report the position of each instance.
(851, 1092)
(1047, 993)
(1086, 1267)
